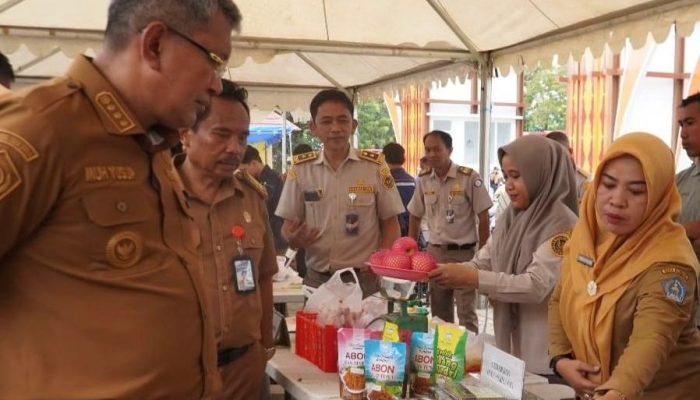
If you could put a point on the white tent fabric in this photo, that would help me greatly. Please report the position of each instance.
(289, 49)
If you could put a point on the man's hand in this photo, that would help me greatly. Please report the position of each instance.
(576, 374)
(456, 276)
(298, 234)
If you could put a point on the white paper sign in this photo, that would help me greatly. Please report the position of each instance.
(503, 372)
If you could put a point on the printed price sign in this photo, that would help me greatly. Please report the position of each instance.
(503, 372)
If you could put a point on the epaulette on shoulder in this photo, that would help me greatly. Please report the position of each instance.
(465, 170)
(424, 172)
(304, 157)
(372, 156)
(252, 182)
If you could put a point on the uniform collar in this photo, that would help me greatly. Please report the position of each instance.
(112, 110)
(352, 155)
(451, 173)
(696, 166)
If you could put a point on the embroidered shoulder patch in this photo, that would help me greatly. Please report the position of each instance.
(371, 156)
(675, 290)
(10, 178)
(558, 242)
(388, 182)
(304, 157)
(291, 174)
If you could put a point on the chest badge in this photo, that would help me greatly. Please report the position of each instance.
(247, 217)
(124, 249)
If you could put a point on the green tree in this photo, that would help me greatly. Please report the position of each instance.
(375, 125)
(545, 99)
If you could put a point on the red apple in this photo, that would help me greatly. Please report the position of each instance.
(398, 260)
(405, 245)
(422, 261)
(377, 258)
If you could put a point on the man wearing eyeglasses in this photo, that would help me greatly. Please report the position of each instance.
(100, 288)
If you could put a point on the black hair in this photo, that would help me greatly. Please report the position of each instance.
(301, 148)
(231, 92)
(444, 136)
(694, 98)
(330, 95)
(7, 75)
(559, 137)
(251, 154)
(394, 153)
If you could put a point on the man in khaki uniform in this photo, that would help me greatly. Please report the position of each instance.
(340, 204)
(688, 180)
(454, 202)
(582, 178)
(100, 283)
(231, 214)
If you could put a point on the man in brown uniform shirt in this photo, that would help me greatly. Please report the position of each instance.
(231, 214)
(100, 283)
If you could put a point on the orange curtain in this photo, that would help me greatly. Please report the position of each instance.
(589, 116)
(414, 124)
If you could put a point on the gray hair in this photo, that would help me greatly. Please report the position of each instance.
(127, 17)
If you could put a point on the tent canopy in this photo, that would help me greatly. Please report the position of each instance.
(289, 49)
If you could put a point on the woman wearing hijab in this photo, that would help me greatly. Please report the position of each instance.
(519, 265)
(621, 323)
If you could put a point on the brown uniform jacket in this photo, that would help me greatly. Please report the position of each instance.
(100, 291)
(655, 344)
(237, 317)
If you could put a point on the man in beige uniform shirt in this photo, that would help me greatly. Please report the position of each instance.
(582, 178)
(455, 203)
(688, 180)
(237, 249)
(340, 204)
(100, 284)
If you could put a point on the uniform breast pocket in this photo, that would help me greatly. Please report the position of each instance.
(457, 198)
(120, 237)
(431, 203)
(252, 246)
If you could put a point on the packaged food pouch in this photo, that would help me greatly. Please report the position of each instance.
(450, 349)
(422, 348)
(351, 363)
(385, 370)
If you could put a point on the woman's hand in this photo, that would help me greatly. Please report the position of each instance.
(455, 276)
(576, 374)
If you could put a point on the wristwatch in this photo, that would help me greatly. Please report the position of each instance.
(556, 359)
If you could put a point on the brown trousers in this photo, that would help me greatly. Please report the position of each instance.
(442, 300)
(243, 378)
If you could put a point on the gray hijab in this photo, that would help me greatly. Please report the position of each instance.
(549, 176)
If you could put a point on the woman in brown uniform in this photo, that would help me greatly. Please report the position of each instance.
(620, 319)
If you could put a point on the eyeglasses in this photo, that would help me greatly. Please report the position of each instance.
(219, 64)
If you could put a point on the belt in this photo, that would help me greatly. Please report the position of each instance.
(230, 355)
(454, 246)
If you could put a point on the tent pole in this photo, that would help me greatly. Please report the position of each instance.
(284, 141)
(485, 118)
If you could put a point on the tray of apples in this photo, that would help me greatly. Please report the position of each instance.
(403, 261)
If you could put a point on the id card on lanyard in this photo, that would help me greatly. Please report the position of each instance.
(242, 267)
